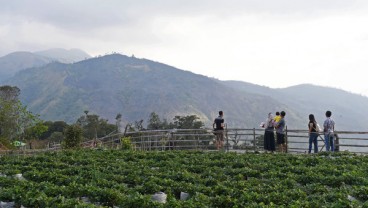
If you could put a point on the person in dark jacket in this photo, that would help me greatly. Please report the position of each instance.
(269, 135)
(218, 125)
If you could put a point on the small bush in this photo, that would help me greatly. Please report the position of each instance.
(126, 143)
(5, 144)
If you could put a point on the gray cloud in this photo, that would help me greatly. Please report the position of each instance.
(133, 21)
(71, 15)
(198, 34)
(92, 14)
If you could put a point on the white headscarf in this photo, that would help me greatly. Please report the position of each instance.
(269, 121)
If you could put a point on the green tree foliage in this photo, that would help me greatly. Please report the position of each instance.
(5, 144)
(56, 137)
(126, 143)
(9, 105)
(52, 127)
(73, 136)
(187, 122)
(9, 93)
(35, 131)
(16, 122)
(179, 122)
(95, 127)
(154, 121)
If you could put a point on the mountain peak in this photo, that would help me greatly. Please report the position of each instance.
(14, 62)
(64, 55)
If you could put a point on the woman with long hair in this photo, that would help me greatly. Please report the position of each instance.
(313, 134)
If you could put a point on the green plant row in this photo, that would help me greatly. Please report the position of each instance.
(96, 178)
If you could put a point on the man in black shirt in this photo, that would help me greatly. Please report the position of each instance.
(218, 126)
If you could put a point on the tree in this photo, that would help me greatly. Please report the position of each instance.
(56, 137)
(187, 122)
(9, 93)
(35, 131)
(95, 127)
(89, 123)
(104, 128)
(118, 121)
(179, 122)
(9, 111)
(73, 136)
(29, 126)
(138, 125)
(16, 122)
(52, 127)
(8, 124)
(154, 121)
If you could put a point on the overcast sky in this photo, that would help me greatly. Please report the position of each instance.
(275, 43)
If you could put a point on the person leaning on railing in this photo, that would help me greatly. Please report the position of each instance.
(313, 134)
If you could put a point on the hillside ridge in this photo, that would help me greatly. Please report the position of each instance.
(134, 87)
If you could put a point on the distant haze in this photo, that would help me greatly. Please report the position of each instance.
(265, 42)
(18, 61)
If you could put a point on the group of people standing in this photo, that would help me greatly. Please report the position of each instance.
(277, 123)
(328, 132)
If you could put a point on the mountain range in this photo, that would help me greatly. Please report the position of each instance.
(17, 61)
(134, 87)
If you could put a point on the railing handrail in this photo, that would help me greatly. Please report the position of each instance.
(293, 136)
(150, 139)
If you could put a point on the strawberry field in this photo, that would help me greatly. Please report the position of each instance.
(115, 178)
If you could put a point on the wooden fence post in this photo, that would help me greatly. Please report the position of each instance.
(286, 140)
(254, 139)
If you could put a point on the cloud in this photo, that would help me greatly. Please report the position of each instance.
(152, 23)
(249, 40)
(74, 14)
(65, 14)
